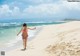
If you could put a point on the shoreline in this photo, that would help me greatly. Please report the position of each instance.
(18, 44)
(33, 38)
(13, 42)
(53, 40)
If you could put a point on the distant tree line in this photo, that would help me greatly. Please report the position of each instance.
(70, 19)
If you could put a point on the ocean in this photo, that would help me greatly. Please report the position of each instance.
(9, 30)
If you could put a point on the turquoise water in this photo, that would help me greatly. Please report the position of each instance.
(7, 34)
(8, 31)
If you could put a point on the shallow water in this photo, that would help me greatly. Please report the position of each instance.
(8, 32)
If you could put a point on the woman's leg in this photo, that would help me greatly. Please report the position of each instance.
(24, 43)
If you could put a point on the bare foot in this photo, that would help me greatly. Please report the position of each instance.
(23, 49)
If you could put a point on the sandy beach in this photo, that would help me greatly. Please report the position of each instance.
(53, 40)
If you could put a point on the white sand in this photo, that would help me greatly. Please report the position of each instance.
(53, 40)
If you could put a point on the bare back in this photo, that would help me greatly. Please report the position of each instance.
(24, 32)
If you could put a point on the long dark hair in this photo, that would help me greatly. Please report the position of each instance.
(24, 25)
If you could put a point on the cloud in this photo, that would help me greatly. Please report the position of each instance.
(39, 11)
(71, 5)
(72, 9)
(15, 11)
(6, 12)
(42, 11)
(60, 9)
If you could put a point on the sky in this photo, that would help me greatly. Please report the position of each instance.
(39, 9)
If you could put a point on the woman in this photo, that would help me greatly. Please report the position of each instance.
(24, 31)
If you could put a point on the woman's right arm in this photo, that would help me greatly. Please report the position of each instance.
(32, 28)
(19, 31)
